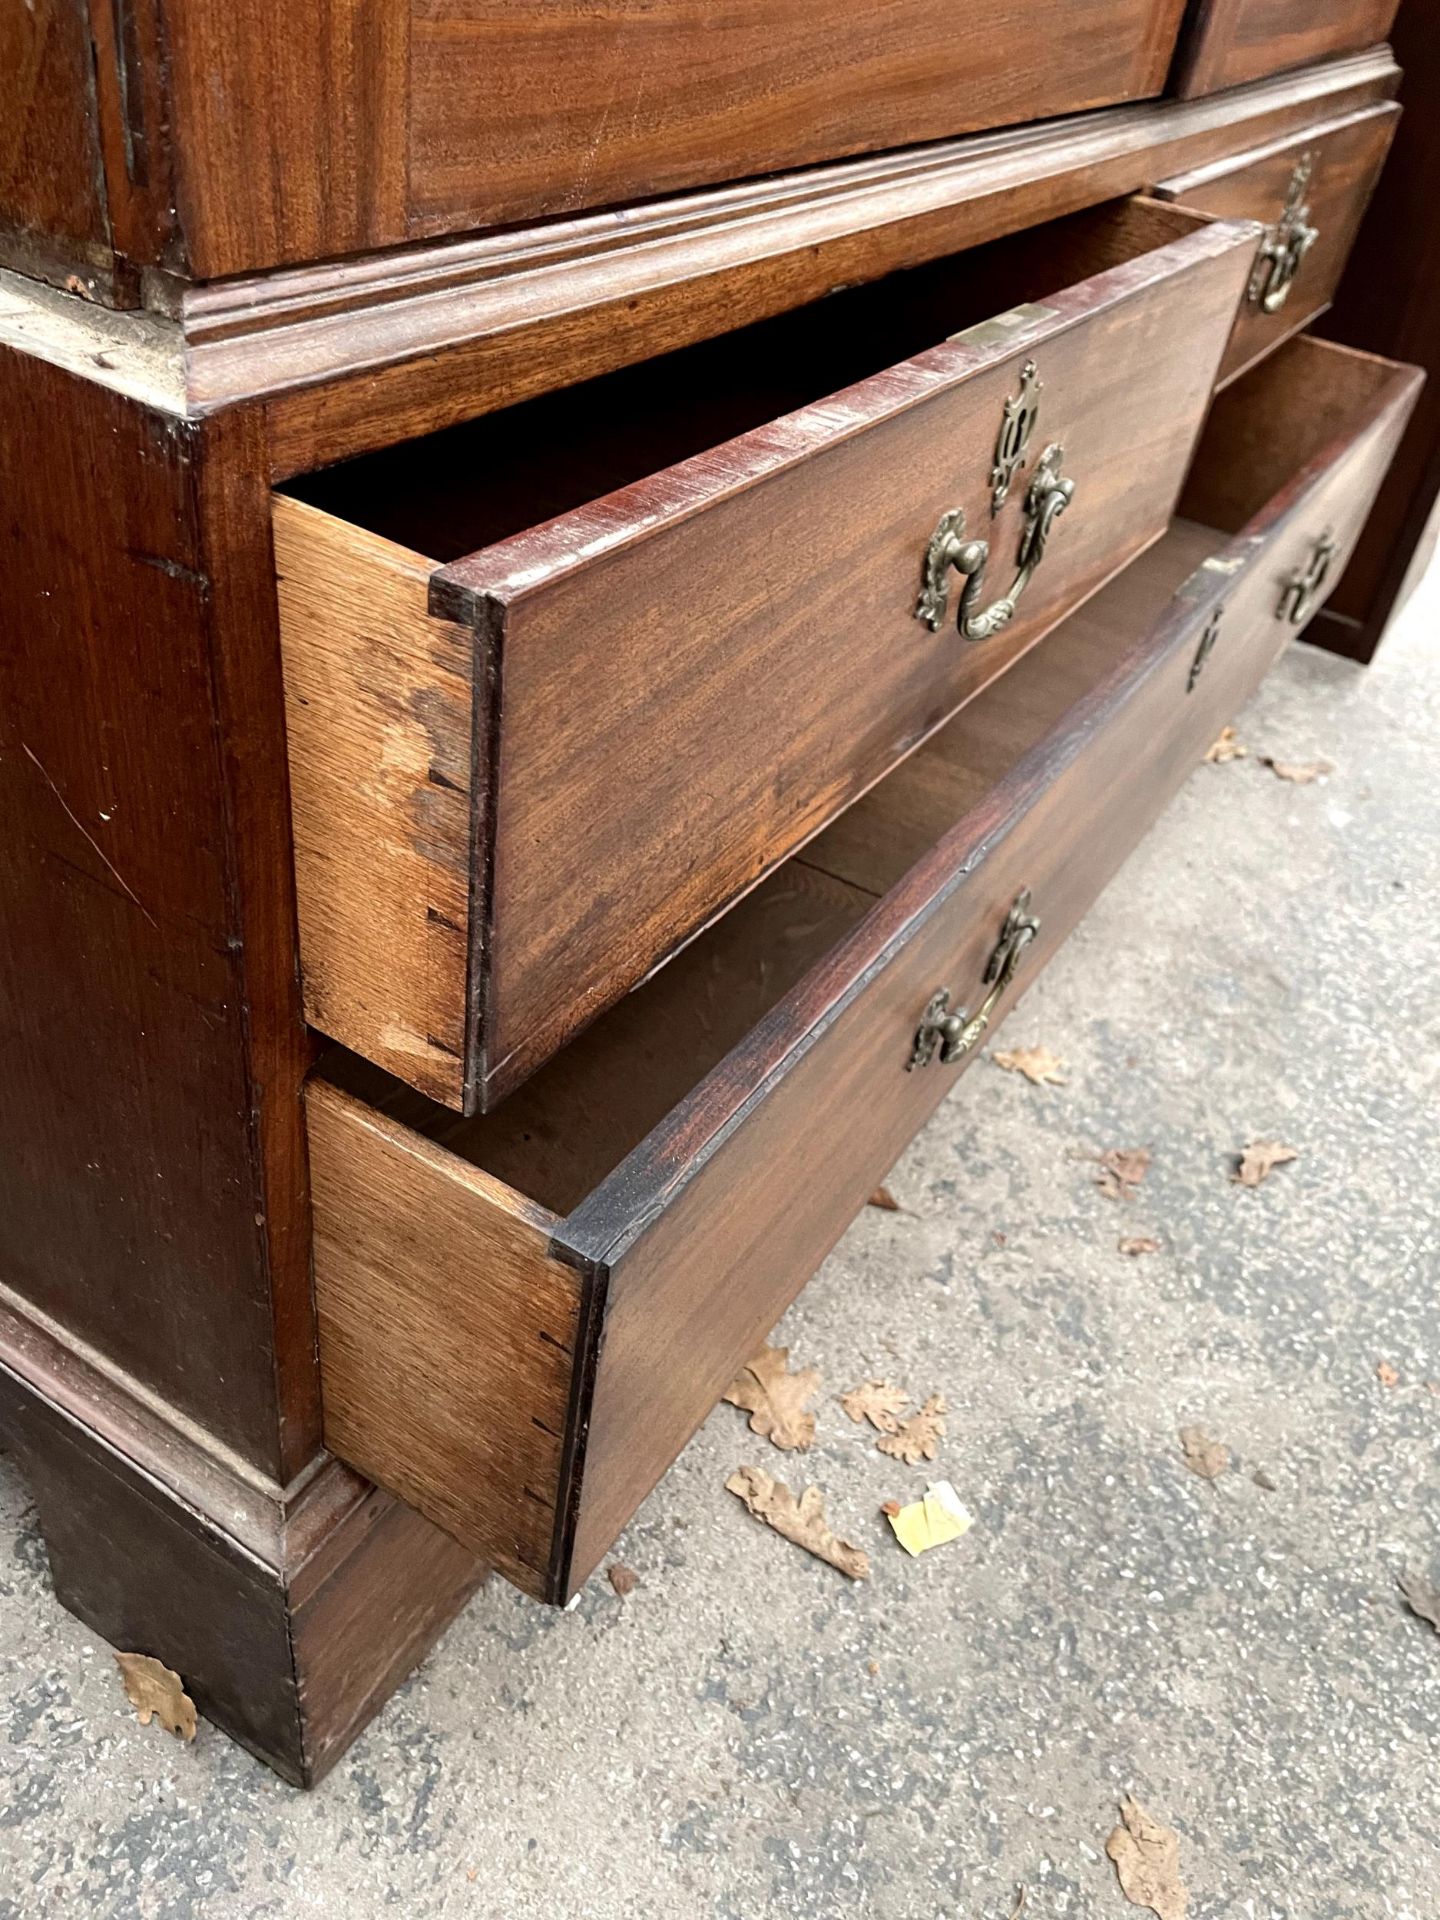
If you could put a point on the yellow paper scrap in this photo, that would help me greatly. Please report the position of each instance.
(930, 1522)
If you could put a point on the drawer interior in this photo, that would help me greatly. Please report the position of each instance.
(562, 1133)
(461, 490)
(1273, 422)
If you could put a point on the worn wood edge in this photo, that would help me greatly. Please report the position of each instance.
(138, 354)
(365, 1429)
(380, 722)
(271, 1524)
(481, 587)
(263, 336)
(609, 1221)
(1178, 185)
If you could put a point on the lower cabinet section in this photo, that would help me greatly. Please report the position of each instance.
(525, 1315)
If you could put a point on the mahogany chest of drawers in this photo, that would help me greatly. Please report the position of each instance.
(590, 593)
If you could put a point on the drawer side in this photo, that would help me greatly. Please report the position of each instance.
(379, 706)
(447, 1333)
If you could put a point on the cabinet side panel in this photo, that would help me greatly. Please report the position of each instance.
(132, 1204)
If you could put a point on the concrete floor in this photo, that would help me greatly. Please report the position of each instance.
(748, 1735)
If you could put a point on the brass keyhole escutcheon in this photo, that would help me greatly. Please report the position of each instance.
(1206, 647)
(952, 1035)
(1017, 427)
(1283, 250)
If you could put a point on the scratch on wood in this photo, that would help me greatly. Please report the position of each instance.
(81, 828)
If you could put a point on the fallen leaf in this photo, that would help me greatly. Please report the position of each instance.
(157, 1693)
(1298, 773)
(884, 1199)
(622, 1578)
(1263, 1481)
(1039, 1066)
(775, 1399)
(800, 1521)
(878, 1402)
(1147, 1862)
(1136, 1247)
(919, 1439)
(890, 1508)
(1202, 1454)
(1228, 747)
(1386, 1374)
(1121, 1171)
(927, 1523)
(1259, 1161)
(1421, 1597)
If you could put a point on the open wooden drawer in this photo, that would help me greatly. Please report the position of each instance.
(523, 1316)
(1311, 192)
(563, 683)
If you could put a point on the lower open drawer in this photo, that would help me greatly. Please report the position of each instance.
(524, 1316)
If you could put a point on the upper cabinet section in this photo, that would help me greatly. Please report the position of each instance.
(226, 138)
(238, 135)
(1229, 42)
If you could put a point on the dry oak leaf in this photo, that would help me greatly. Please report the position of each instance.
(1039, 1066)
(884, 1199)
(622, 1578)
(1147, 1862)
(800, 1521)
(1299, 773)
(1202, 1454)
(919, 1439)
(1386, 1374)
(1421, 1597)
(1260, 1159)
(157, 1693)
(1121, 1171)
(878, 1402)
(1228, 747)
(1138, 1246)
(775, 1399)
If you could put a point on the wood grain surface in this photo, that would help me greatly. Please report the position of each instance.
(392, 1212)
(380, 732)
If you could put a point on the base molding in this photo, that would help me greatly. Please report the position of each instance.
(289, 1643)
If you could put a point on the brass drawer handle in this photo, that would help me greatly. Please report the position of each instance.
(1306, 586)
(1283, 250)
(1046, 498)
(953, 1035)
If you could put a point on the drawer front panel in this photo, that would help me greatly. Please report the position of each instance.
(581, 106)
(697, 1293)
(1310, 194)
(693, 678)
(1232, 41)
